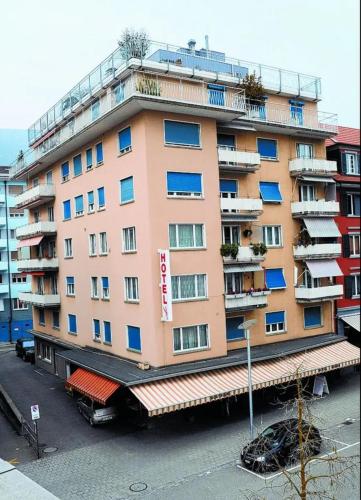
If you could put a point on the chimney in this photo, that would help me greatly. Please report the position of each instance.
(191, 45)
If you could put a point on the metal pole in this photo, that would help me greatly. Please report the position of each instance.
(37, 438)
(250, 397)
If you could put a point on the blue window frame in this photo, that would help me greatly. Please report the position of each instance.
(216, 94)
(134, 340)
(95, 109)
(267, 148)
(91, 201)
(275, 279)
(78, 169)
(70, 285)
(232, 331)
(181, 133)
(228, 186)
(312, 317)
(270, 192)
(99, 153)
(275, 322)
(125, 140)
(296, 109)
(89, 158)
(101, 197)
(41, 317)
(79, 205)
(72, 323)
(226, 141)
(126, 190)
(96, 328)
(107, 332)
(66, 210)
(65, 171)
(184, 184)
(118, 92)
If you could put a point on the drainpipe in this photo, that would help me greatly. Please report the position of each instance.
(10, 321)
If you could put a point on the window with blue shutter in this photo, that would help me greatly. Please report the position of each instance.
(184, 184)
(275, 278)
(91, 201)
(312, 317)
(275, 322)
(70, 285)
(181, 133)
(296, 109)
(89, 158)
(105, 287)
(134, 340)
(232, 330)
(77, 165)
(65, 171)
(226, 141)
(101, 197)
(96, 328)
(125, 140)
(270, 192)
(267, 148)
(126, 190)
(66, 210)
(216, 94)
(72, 323)
(99, 153)
(228, 186)
(79, 205)
(107, 332)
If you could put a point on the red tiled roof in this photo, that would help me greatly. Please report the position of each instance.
(346, 135)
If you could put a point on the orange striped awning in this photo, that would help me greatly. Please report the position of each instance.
(92, 385)
(167, 395)
(30, 242)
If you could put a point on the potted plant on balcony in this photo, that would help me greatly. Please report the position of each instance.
(255, 95)
(229, 250)
(247, 233)
(133, 43)
(148, 86)
(20, 157)
(259, 248)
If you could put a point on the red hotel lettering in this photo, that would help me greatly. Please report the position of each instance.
(164, 288)
(162, 257)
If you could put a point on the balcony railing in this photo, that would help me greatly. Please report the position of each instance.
(246, 301)
(242, 205)
(40, 300)
(38, 264)
(238, 160)
(321, 208)
(43, 227)
(313, 166)
(35, 196)
(245, 255)
(317, 251)
(304, 294)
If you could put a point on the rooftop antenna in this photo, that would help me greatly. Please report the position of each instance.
(207, 42)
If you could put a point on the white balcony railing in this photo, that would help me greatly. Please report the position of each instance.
(38, 264)
(35, 195)
(320, 207)
(43, 227)
(318, 293)
(245, 255)
(41, 300)
(237, 160)
(312, 166)
(317, 251)
(242, 205)
(246, 301)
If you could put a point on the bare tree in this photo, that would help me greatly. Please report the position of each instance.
(133, 43)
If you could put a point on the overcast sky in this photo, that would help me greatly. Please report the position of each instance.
(47, 47)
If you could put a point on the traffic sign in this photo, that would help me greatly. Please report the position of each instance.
(35, 413)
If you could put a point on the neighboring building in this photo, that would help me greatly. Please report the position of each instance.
(137, 179)
(15, 315)
(344, 148)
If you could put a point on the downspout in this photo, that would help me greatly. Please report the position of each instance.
(10, 321)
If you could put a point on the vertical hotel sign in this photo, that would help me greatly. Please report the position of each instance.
(165, 285)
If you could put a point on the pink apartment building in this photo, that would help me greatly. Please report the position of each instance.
(165, 210)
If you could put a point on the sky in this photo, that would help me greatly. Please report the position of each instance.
(47, 47)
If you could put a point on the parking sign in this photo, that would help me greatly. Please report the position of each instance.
(35, 414)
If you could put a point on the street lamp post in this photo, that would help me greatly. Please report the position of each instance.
(246, 327)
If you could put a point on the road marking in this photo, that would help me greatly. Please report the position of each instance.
(335, 440)
(13, 461)
(39, 373)
(250, 471)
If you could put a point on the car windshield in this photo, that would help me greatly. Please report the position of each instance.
(28, 343)
(272, 433)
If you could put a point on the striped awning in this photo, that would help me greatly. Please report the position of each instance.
(96, 387)
(352, 320)
(30, 242)
(243, 268)
(326, 180)
(319, 227)
(167, 395)
(323, 268)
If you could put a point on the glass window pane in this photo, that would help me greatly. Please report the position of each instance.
(187, 287)
(201, 284)
(177, 339)
(175, 287)
(190, 338)
(203, 337)
(199, 235)
(185, 234)
(172, 236)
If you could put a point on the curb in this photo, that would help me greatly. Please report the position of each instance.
(14, 409)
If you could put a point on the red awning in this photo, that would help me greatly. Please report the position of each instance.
(30, 242)
(36, 273)
(92, 385)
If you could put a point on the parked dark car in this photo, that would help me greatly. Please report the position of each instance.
(278, 446)
(25, 349)
(96, 413)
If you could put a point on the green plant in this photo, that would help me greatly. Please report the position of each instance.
(148, 86)
(259, 248)
(229, 250)
(20, 156)
(253, 89)
(133, 44)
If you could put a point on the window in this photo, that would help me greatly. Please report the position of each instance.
(70, 286)
(51, 214)
(92, 244)
(353, 204)
(72, 324)
(49, 177)
(184, 184)
(226, 141)
(107, 332)
(79, 205)
(355, 286)
(354, 240)
(275, 322)
(125, 140)
(103, 244)
(187, 287)
(94, 293)
(99, 153)
(46, 352)
(131, 289)
(134, 339)
(95, 109)
(18, 304)
(118, 93)
(233, 283)
(216, 94)
(181, 133)
(15, 189)
(267, 148)
(101, 198)
(18, 278)
(275, 279)
(272, 236)
(36, 215)
(77, 166)
(16, 212)
(41, 316)
(270, 192)
(66, 210)
(129, 240)
(56, 319)
(65, 171)
(232, 330)
(230, 234)
(307, 192)
(126, 190)
(105, 287)
(312, 317)
(89, 158)
(90, 202)
(186, 236)
(228, 188)
(190, 337)
(304, 150)
(14, 255)
(296, 109)
(96, 329)
(352, 164)
(12, 234)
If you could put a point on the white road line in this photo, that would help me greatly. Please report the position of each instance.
(39, 373)
(250, 471)
(335, 440)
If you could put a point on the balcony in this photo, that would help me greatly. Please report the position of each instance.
(36, 196)
(2, 221)
(38, 264)
(40, 300)
(312, 166)
(232, 160)
(317, 251)
(321, 208)
(246, 301)
(38, 228)
(318, 294)
(240, 209)
(245, 255)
